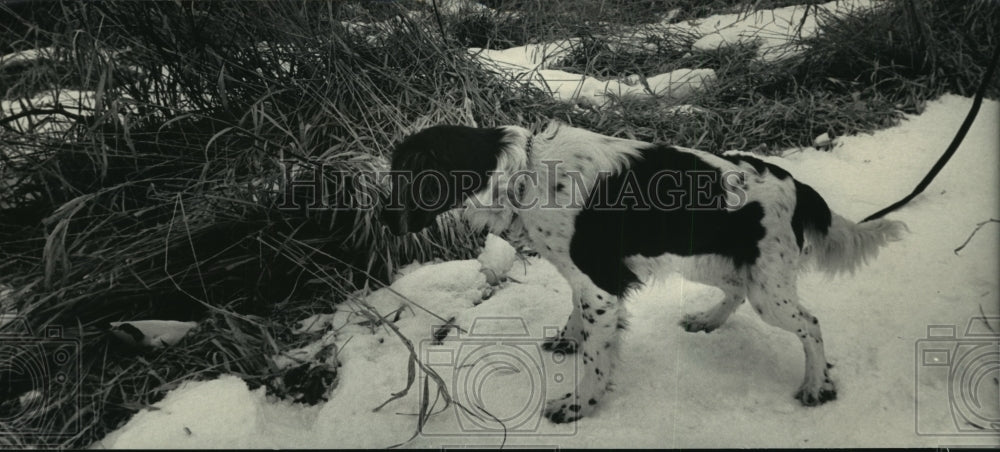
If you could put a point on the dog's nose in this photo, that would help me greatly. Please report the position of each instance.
(392, 216)
(392, 221)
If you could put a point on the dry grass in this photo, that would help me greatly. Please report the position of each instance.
(859, 74)
(165, 200)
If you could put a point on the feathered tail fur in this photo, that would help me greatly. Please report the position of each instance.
(847, 245)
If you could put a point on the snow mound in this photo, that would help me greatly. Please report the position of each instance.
(221, 413)
(681, 83)
(453, 7)
(774, 29)
(497, 258)
(527, 57)
(25, 57)
(74, 102)
(532, 64)
(586, 90)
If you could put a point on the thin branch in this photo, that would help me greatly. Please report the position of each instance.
(974, 231)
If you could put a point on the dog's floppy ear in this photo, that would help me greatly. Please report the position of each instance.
(436, 169)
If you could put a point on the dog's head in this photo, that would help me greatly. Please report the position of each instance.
(439, 168)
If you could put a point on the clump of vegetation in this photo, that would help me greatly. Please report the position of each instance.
(514, 23)
(907, 50)
(860, 73)
(168, 196)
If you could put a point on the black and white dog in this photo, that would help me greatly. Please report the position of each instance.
(611, 212)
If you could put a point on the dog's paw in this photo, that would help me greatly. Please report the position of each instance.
(567, 409)
(694, 323)
(815, 395)
(559, 344)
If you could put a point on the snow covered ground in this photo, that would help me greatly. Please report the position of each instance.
(530, 64)
(776, 30)
(730, 388)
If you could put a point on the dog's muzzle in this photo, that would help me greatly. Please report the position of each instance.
(393, 216)
(401, 219)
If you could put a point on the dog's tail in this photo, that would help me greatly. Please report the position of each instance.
(846, 245)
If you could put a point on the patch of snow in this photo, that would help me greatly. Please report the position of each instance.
(217, 414)
(497, 258)
(6, 294)
(152, 333)
(685, 109)
(576, 88)
(407, 269)
(531, 63)
(681, 83)
(823, 141)
(453, 7)
(527, 57)
(73, 101)
(25, 57)
(774, 29)
(570, 87)
(291, 358)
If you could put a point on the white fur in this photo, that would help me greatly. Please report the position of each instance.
(848, 245)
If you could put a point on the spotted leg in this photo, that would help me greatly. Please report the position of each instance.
(603, 318)
(776, 300)
(570, 336)
(734, 294)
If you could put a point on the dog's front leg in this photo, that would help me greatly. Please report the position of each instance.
(601, 320)
(570, 336)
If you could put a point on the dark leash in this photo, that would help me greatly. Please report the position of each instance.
(976, 103)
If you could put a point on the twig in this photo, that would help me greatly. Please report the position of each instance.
(57, 109)
(437, 17)
(974, 231)
(988, 326)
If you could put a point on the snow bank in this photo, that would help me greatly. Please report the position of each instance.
(586, 90)
(774, 29)
(75, 102)
(453, 7)
(217, 414)
(730, 388)
(25, 57)
(496, 259)
(531, 63)
(526, 57)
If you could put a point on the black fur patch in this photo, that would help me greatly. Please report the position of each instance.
(612, 228)
(811, 211)
(454, 151)
(759, 165)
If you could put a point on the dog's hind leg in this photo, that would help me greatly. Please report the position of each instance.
(775, 298)
(734, 294)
